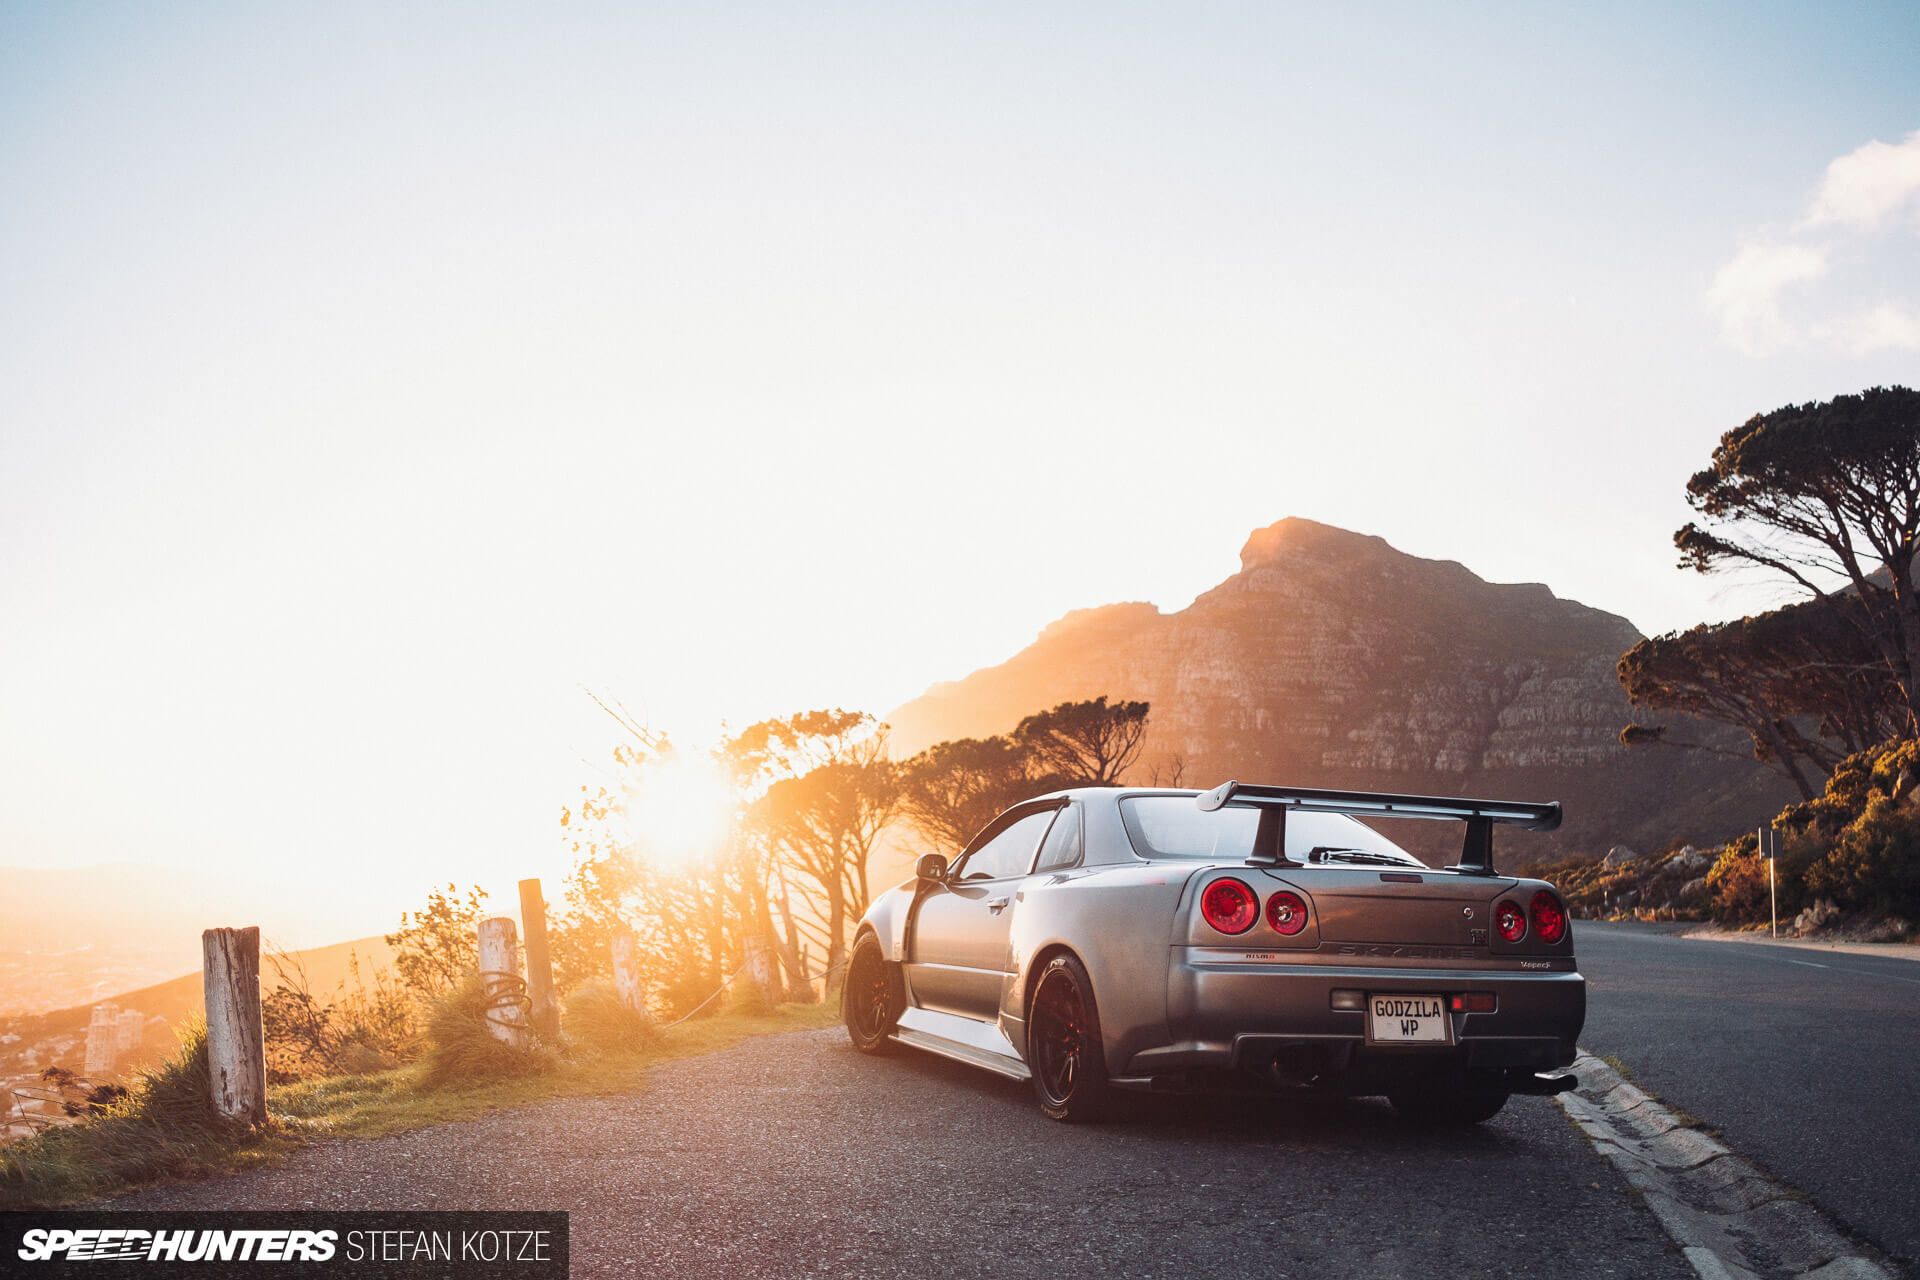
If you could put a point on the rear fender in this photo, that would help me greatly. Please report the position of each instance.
(1119, 921)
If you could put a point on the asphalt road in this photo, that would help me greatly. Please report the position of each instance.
(1806, 1062)
(795, 1156)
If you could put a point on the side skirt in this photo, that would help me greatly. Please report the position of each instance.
(978, 1044)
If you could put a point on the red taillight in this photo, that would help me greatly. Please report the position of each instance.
(1510, 921)
(1474, 1002)
(1549, 917)
(1287, 912)
(1229, 906)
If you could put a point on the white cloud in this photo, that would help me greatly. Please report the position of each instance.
(1746, 293)
(1862, 187)
(1891, 326)
(1860, 192)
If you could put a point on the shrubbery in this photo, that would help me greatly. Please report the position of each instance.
(1866, 829)
(362, 1028)
(596, 1017)
(165, 1127)
(460, 1048)
(1853, 852)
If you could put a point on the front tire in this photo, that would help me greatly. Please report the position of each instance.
(874, 996)
(1064, 1046)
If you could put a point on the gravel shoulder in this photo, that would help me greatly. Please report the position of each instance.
(793, 1155)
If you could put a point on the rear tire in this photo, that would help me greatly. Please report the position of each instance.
(1064, 1047)
(874, 996)
(1448, 1106)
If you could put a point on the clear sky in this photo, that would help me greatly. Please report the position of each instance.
(374, 378)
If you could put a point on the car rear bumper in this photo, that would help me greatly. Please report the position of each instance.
(1249, 1015)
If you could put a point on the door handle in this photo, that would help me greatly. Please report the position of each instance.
(997, 905)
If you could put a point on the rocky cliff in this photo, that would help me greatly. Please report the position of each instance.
(1332, 659)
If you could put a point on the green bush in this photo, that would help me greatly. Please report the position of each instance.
(461, 1049)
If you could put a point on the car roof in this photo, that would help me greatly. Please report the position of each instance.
(1112, 793)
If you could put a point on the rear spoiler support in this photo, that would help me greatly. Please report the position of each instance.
(1480, 816)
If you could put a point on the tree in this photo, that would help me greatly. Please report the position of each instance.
(766, 755)
(1803, 681)
(1828, 497)
(598, 899)
(824, 824)
(1089, 744)
(788, 746)
(952, 789)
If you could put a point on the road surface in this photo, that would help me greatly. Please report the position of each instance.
(794, 1155)
(1807, 1062)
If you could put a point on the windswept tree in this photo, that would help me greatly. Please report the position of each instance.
(788, 746)
(952, 789)
(1803, 681)
(823, 824)
(785, 749)
(1827, 497)
(1090, 744)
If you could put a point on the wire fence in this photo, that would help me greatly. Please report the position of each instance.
(806, 975)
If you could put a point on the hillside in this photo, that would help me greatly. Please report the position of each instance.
(31, 1042)
(1333, 659)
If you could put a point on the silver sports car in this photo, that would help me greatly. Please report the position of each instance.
(1108, 939)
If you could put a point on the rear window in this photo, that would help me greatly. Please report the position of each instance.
(1176, 827)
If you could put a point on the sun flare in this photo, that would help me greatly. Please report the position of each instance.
(680, 810)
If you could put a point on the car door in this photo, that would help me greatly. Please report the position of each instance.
(958, 959)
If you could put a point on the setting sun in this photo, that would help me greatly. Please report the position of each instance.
(679, 810)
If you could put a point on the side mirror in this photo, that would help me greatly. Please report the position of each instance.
(931, 867)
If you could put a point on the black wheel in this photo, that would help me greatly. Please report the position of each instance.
(1063, 1044)
(874, 995)
(1448, 1106)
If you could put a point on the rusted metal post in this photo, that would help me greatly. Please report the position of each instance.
(533, 918)
(500, 977)
(236, 1048)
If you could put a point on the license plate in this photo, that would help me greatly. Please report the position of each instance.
(1398, 1018)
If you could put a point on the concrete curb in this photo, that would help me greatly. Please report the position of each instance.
(1730, 1220)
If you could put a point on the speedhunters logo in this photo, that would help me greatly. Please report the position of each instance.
(449, 1245)
(113, 1244)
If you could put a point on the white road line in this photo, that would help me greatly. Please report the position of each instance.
(1861, 973)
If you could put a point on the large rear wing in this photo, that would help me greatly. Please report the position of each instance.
(1270, 842)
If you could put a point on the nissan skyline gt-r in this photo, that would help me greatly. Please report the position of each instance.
(1109, 939)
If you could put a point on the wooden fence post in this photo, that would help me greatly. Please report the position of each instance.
(236, 1048)
(627, 979)
(764, 969)
(533, 916)
(500, 977)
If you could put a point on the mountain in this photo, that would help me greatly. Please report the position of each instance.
(1333, 659)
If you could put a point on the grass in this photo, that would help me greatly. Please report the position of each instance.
(165, 1128)
(166, 1132)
